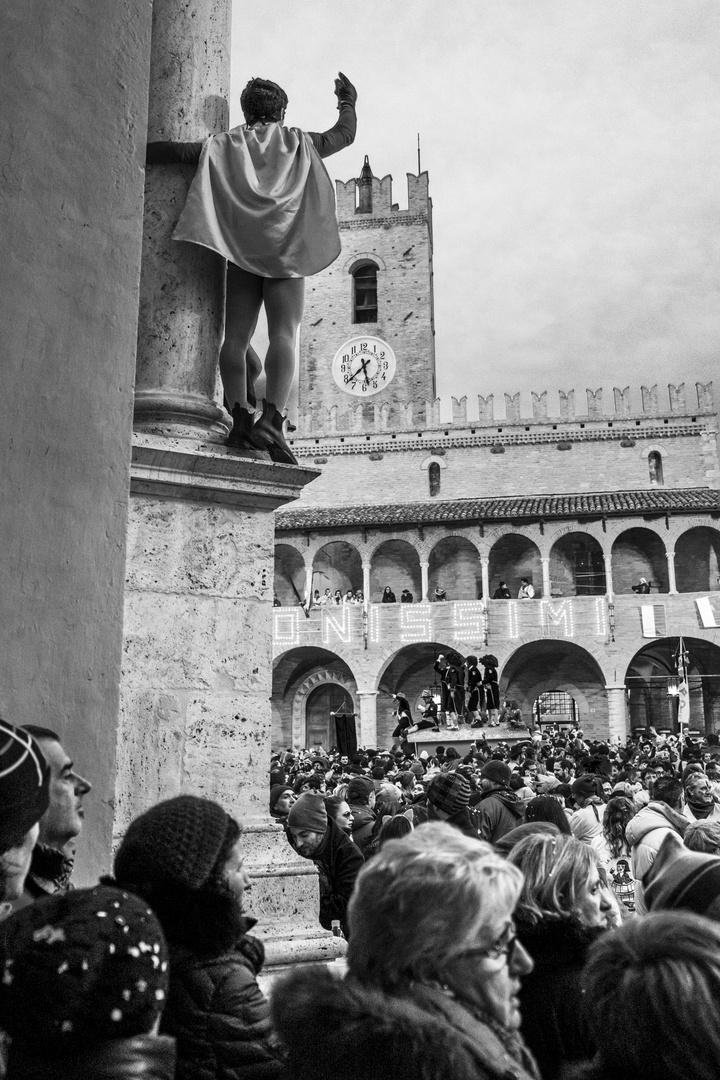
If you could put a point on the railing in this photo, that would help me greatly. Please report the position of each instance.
(474, 625)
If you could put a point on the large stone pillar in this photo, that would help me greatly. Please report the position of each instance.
(617, 711)
(368, 717)
(182, 286)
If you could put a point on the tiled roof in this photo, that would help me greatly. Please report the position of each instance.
(513, 508)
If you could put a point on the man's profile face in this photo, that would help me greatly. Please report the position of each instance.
(63, 818)
(306, 841)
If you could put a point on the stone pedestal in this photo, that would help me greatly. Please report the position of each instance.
(196, 680)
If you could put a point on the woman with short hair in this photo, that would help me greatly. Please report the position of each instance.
(562, 910)
(654, 994)
(434, 970)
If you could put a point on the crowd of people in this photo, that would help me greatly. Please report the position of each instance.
(543, 909)
(330, 598)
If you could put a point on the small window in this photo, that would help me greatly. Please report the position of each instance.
(655, 467)
(365, 294)
(434, 478)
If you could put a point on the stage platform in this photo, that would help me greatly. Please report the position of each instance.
(465, 737)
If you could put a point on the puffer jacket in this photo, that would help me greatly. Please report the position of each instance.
(144, 1057)
(497, 813)
(645, 834)
(219, 1016)
(338, 1029)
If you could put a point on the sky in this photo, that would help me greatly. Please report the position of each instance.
(573, 153)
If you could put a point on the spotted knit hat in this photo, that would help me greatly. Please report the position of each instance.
(176, 842)
(449, 792)
(24, 779)
(86, 964)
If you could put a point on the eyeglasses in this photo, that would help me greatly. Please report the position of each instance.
(505, 945)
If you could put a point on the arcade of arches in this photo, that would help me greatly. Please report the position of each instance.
(589, 639)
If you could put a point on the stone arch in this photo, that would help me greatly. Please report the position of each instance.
(395, 562)
(289, 575)
(407, 670)
(295, 674)
(454, 566)
(650, 680)
(555, 532)
(541, 666)
(697, 559)
(639, 552)
(360, 257)
(512, 557)
(337, 564)
(303, 694)
(577, 566)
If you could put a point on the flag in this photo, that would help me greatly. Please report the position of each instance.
(683, 688)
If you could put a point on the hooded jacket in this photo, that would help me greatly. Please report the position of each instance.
(335, 1028)
(498, 811)
(645, 834)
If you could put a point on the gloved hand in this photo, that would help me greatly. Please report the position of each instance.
(344, 90)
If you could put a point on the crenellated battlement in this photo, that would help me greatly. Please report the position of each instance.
(366, 418)
(368, 197)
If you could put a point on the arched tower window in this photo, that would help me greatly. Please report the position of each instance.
(365, 304)
(655, 467)
(434, 478)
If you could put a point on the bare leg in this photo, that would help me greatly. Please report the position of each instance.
(242, 307)
(284, 299)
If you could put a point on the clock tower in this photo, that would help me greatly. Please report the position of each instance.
(367, 336)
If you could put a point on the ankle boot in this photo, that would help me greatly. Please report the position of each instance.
(239, 437)
(267, 434)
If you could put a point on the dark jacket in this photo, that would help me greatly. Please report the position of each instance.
(553, 1020)
(340, 1030)
(497, 812)
(338, 860)
(219, 1015)
(144, 1057)
(362, 825)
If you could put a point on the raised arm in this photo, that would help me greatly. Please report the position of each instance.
(342, 134)
(169, 153)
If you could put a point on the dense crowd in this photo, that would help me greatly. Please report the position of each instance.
(542, 909)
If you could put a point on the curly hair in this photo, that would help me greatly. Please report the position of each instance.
(618, 812)
(263, 101)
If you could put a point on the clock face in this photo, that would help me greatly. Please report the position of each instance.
(364, 366)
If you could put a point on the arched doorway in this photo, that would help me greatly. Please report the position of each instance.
(512, 558)
(651, 682)
(639, 553)
(297, 674)
(557, 667)
(697, 560)
(577, 567)
(337, 565)
(320, 705)
(395, 563)
(454, 566)
(289, 579)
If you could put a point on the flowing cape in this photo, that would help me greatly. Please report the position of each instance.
(262, 198)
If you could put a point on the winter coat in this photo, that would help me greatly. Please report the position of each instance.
(554, 1024)
(341, 1030)
(645, 833)
(497, 812)
(586, 824)
(219, 1016)
(339, 861)
(144, 1057)
(362, 825)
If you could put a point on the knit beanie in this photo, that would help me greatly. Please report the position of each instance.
(449, 792)
(176, 842)
(683, 880)
(359, 788)
(82, 965)
(308, 813)
(24, 779)
(276, 791)
(496, 771)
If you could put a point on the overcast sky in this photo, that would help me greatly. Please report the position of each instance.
(573, 151)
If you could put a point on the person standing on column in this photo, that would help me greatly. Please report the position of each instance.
(262, 199)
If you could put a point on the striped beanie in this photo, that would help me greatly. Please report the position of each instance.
(449, 792)
(24, 780)
(683, 880)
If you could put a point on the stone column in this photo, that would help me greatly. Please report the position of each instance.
(607, 559)
(367, 700)
(545, 577)
(182, 286)
(617, 711)
(672, 584)
(366, 584)
(308, 583)
(424, 578)
(485, 575)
